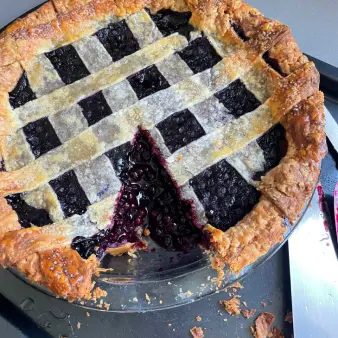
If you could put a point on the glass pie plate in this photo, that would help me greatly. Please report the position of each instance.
(158, 279)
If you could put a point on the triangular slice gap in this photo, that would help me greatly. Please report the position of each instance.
(149, 199)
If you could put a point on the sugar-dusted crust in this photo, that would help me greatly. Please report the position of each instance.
(251, 238)
(290, 184)
(48, 260)
(9, 219)
(293, 97)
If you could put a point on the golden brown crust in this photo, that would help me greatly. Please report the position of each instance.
(43, 14)
(290, 185)
(251, 238)
(305, 126)
(46, 259)
(9, 76)
(17, 244)
(7, 119)
(263, 325)
(62, 271)
(9, 219)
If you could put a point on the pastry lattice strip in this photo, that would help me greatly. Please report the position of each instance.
(234, 76)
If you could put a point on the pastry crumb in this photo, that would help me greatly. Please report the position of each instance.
(99, 270)
(169, 324)
(245, 304)
(264, 304)
(231, 306)
(248, 313)
(161, 301)
(288, 317)
(99, 306)
(147, 298)
(225, 319)
(197, 332)
(87, 314)
(78, 325)
(276, 333)
(146, 232)
(106, 306)
(135, 300)
(263, 325)
(98, 293)
(198, 318)
(82, 302)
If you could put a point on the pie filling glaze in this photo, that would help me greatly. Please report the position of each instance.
(195, 124)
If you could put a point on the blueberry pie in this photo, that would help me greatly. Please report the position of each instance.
(193, 122)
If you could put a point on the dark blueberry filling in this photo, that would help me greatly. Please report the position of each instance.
(273, 63)
(41, 136)
(28, 215)
(274, 146)
(95, 108)
(22, 93)
(169, 22)
(225, 195)
(147, 82)
(148, 198)
(72, 198)
(68, 64)
(200, 55)
(239, 31)
(119, 157)
(238, 99)
(118, 40)
(180, 129)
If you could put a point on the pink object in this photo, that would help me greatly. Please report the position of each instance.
(335, 197)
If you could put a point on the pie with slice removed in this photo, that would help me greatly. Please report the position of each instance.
(193, 122)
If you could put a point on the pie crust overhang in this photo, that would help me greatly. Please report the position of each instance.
(86, 112)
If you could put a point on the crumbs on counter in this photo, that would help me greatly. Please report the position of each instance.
(98, 293)
(232, 305)
(248, 313)
(264, 304)
(106, 306)
(78, 325)
(87, 314)
(198, 318)
(263, 325)
(98, 271)
(146, 232)
(276, 333)
(147, 298)
(197, 332)
(288, 317)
